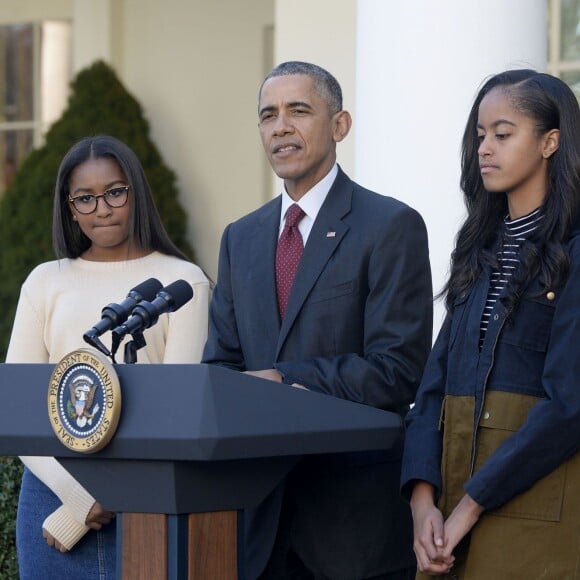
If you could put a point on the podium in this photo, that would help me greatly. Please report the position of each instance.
(194, 444)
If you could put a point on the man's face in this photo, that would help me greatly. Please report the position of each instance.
(298, 131)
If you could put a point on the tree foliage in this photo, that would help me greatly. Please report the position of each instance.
(10, 474)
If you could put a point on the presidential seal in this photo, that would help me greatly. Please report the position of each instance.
(84, 401)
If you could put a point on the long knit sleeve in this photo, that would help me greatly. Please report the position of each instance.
(61, 525)
(67, 523)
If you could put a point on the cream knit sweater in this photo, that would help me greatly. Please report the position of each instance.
(59, 301)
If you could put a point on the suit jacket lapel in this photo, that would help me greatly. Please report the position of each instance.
(319, 248)
(262, 268)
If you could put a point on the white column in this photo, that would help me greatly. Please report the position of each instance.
(419, 66)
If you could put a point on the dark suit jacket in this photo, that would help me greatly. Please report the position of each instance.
(358, 326)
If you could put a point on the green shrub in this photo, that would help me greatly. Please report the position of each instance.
(10, 474)
(99, 104)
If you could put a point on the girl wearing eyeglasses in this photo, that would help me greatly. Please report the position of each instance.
(108, 238)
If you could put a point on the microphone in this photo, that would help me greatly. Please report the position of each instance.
(114, 314)
(146, 314)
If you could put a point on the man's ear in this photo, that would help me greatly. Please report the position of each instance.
(551, 143)
(342, 122)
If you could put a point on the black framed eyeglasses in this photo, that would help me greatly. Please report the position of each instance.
(114, 197)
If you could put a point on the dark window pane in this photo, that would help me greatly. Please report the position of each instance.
(16, 73)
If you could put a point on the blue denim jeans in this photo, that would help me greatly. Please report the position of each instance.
(93, 557)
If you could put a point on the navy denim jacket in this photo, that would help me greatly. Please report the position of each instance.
(536, 351)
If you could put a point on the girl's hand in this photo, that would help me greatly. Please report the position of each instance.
(428, 527)
(97, 517)
(461, 520)
(53, 542)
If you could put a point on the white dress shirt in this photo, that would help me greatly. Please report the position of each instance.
(310, 202)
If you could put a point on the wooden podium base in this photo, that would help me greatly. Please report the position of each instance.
(197, 547)
(212, 545)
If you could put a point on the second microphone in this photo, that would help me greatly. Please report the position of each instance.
(146, 314)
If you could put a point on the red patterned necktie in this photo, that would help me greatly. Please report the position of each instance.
(288, 255)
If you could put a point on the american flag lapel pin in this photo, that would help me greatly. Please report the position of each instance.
(330, 234)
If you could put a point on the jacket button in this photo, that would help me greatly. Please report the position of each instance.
(487, 415)
(550, 296)
(495, 316)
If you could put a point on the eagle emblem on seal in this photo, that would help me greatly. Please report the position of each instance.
(80, 405)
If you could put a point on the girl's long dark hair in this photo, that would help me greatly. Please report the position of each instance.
(551, 104)
(145, 228)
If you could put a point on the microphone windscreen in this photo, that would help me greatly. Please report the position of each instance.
(148, 289)
(180, 291)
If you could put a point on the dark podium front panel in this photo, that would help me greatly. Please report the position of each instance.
(192, 438)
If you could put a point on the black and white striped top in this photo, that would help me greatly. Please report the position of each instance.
(515, 232)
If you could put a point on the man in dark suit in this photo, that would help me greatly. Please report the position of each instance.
(353, 321)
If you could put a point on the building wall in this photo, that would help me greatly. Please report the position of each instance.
(322, 32)
(14, 11)
(196, 67)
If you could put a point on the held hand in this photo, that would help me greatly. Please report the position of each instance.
(97, 517)
(461, 520)
(53, 542)
(269, 374)
(429, 532)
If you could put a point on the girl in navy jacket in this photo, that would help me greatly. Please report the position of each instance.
(492, 462)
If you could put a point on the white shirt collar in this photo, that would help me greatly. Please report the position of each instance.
(310, 202)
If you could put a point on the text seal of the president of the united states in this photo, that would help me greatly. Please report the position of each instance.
(84, 401)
